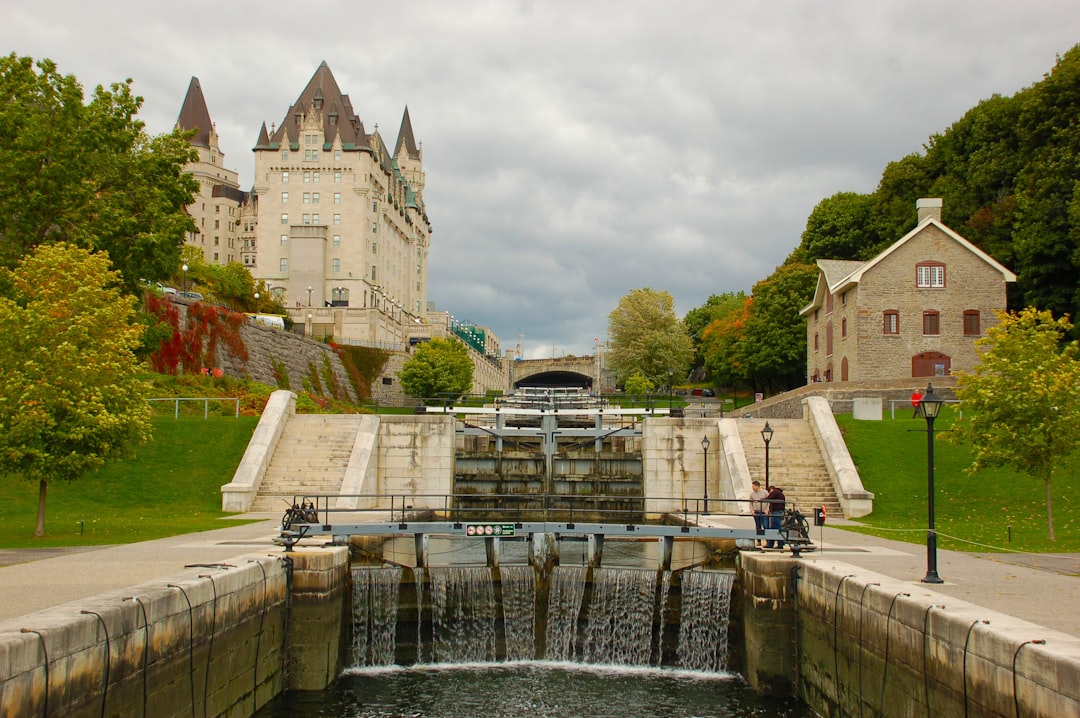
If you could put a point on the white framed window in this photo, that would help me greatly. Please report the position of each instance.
(314, 197)
(337, 219)
(337, 240)
(284, 178)
(930, 275)
(337, 177)
(336, 264)
(315, 175)
(374, 270)
(337, 155)
(374, 247)
(375, 227)
(307, 176)
(284, 154)
(284, 218)
(314, 219)
(284, 266)
(284, 197)
(284, 240)
(307, 219)
(337, 197)
(307, 198)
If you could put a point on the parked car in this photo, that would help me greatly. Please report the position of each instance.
(191, 295)
(708, 392)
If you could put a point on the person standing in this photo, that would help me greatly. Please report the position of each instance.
(777, 502)
(757, 506)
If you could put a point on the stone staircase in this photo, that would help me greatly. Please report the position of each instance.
(310, 458)
(795, 463)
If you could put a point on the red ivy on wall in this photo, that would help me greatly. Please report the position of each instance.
(192, 347)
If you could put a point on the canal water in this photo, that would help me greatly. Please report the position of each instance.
(532, 689)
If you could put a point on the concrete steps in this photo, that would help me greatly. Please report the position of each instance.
(795, 463)
(311, 458)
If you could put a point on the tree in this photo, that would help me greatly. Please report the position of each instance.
(647, 338)
(70, 393)
(722, 345)
(441, 367)
(774, 344)
(698, 319)
(1022, 401)
(838, 228)
(88, 174)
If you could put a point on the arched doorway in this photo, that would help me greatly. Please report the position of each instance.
(930, 364)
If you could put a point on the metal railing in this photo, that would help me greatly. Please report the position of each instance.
(204, 399)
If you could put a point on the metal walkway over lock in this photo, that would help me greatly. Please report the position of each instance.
(311, 517)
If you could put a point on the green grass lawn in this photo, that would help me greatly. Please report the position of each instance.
(171, 486)
(982, 508)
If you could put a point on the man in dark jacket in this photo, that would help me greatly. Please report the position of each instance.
(777, 502)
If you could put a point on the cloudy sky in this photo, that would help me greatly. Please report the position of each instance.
(576, 150)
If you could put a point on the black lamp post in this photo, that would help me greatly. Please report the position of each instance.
(766, 435)
(256, 303)
(309, 291)
(929, 407)
(184, 267)
(671, 388)
(705, 450)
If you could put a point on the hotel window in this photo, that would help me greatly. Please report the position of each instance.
(285, 178)
(307, 176)
(337, 154)
(284, 264)
(337, 177)
(314, 197)
(337, 197)
(930, 275)
(373, 270)
(374, 206)
(375, 227)
(307, 219)
(337, 219)
(971, 323)
(284, 197)
(337, 240)
(284, 240)
(374, 247)
(314, 219)
(284, 154)
(307, 198)
(931, 323)
(891, 322)
(315, 175)
(336, 263)
(284, 218)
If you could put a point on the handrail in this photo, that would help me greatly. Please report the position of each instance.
(204, 399)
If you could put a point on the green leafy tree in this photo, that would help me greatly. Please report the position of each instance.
(637, 385)
(647, 338)
(722, 346)
(698, 319)
(1022, 401)
(88, 174)
(70, 392)
(773, 348)
(441, 367)
(838, 228)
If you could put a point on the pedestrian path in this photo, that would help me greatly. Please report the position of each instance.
(1042, 589)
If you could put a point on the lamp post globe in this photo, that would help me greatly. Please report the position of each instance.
(929, 408)
(184, 267)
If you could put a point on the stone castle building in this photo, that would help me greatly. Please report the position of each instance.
(334, 227)
(219, 205)
(914, 310)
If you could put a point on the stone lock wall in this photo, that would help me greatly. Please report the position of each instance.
(859, 643)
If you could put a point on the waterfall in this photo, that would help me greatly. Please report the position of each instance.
(703, 630)
(620, 617)
(374, 615)
(565, 593)
(462, 614)
(519, 611)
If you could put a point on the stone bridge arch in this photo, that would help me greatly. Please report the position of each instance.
(583, 372)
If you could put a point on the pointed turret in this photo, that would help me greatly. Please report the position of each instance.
(195, 116)
(264, 138)
(405, 139)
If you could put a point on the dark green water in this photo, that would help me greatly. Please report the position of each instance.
(532, 690)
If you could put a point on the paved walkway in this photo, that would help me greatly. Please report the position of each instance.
(1043, 589)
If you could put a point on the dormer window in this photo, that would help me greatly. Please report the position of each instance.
(930, 275)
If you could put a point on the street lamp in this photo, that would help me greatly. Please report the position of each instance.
(256, 303)
(309, 291)
(184, 267)
(671, 389)
(929, 407)
(705, 451)
(766, 435)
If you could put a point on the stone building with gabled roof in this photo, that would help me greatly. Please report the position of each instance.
(914, 310)
(342, 222)
(219, 204)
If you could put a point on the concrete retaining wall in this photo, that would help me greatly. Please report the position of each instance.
(211, 638)
(866, 644)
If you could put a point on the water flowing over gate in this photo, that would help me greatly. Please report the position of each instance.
(479, 614)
